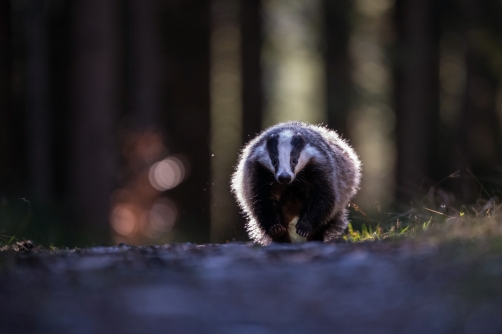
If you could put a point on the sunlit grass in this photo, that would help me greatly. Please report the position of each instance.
(477, 223)
(432, 218)
(367, 233)
(6, 240)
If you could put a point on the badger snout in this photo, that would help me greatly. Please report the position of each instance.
(284, 178)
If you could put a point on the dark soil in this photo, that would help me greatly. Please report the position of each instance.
(373, 287)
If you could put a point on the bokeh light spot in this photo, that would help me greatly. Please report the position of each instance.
(167, 174)
(161, 218)
(123, 220)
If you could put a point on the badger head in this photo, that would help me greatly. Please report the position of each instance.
(285, 154)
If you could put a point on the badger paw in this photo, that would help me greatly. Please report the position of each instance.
(277, 231)
(303, 229)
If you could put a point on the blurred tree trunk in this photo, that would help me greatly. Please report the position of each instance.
(7, 129)
(186, 28)
(338, 65)
(226, 116)
(417, 95)
(59, 33)
(478, 128)
(95, 90)
(13, 168)
(251, 30)
(252, 87)
(38, 100)
(145, 62)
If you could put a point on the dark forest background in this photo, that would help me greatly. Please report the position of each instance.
(121, 120)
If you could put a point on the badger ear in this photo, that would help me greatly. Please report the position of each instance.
(298, 135)
(274, 137)
(272, 141)
(298, 140)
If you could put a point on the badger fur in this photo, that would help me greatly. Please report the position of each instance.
(296, 171)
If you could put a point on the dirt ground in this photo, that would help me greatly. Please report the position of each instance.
(373, 287)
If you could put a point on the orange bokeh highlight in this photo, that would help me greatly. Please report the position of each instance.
(124, 220)
(140, 211)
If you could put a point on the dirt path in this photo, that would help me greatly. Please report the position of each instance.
(378, 287)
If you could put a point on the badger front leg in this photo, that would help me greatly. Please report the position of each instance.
(319, 206)
(267, 216)
(336, 226)
(262, 207)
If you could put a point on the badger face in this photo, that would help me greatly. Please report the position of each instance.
(285, 155)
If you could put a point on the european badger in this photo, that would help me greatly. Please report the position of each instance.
(296, 170)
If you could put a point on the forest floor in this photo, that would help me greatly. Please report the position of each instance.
(391, 286)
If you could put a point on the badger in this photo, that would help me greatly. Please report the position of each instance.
(296, 173)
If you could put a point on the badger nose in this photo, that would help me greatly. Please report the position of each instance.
(284, 178)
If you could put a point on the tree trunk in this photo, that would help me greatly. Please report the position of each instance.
(252, 87)
(7, 167)
(95, 85)
(60, 38)
(145, 62)
(186, 28)
(417, 95)
(478, 128)
(338, 65)
(13, 168)
(38, 101)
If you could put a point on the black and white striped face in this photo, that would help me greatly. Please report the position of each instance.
(285, 154)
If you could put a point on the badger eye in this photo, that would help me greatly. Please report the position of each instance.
(294, 161)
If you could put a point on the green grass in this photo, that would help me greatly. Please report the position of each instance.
(6, 240)
(474, 223)
(367, 233)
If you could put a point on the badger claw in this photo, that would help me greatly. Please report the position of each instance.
(277, 231)
(303, 229)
